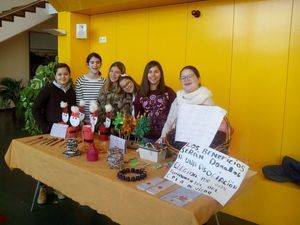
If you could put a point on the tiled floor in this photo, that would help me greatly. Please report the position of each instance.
(16, 192)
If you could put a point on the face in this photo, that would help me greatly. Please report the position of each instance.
(94, 65)
(127, 85)
(154, 75)
(189, 81)
(62, 76)
(114, 74)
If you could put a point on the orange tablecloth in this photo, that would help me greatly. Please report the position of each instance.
(95, 185)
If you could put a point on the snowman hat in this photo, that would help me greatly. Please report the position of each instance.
(64, 106)
(75, 111)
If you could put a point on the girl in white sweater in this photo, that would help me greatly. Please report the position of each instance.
(192, 93)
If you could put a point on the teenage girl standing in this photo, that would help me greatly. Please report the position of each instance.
(88, 85)
(154, 99)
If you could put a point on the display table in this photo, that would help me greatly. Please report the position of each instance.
(94, 184)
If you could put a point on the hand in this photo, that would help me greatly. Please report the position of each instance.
(161, 140)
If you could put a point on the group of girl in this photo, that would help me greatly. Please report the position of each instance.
(152, 97)
(123, 94)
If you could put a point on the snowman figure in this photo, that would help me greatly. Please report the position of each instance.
(65, 114)
(81, 110)
(74, 118)
(94, 114)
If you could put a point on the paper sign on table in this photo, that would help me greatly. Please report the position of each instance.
(208, 171)
(116, 142)
(150, 183)
(59, 130)
(180, 196)
(198, 124)
(160, 187)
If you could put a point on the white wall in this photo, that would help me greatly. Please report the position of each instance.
(14, 57)
(8, 4)
(14, 53)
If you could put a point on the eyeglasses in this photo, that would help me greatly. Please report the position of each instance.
(187, 77)
(126, 85)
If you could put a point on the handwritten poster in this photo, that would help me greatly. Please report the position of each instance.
(198, 123)
(208, 171)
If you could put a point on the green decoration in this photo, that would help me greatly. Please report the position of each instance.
(43, 75)
(118, 122)
(142, 128)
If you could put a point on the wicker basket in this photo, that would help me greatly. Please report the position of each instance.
(221, 141)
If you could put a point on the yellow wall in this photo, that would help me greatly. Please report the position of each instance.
(246, 51)
(71, 50)
(248, 54)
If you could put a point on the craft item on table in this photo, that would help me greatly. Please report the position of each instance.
(72, 148)
(74, 121)
(118, 122)
(181, 196)
(74, 118)
(87, 134)
(47, 141)
(52, 141)
(44, 141)
(63, 144)
(65, 114)
(92, 153)
(150, 183)
(128, 126)
(115, 158)
(133, 162)
(117, 142)
(132, 174)
(159, 187)
(152, 152)
(39, 141)
(59, 130)
(94, 110)
(55, 143)
(34, 139)
(81, 110)
(104, 128)
(156, 166)
(142, 127)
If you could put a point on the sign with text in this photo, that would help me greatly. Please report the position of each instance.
(198, 124)
(117, 142)
(208, 171)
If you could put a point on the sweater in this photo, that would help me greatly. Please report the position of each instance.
(46, 108)
(202, 96)
(88, 90)
(156, 105)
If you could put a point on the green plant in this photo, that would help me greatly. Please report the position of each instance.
(43, 75)
(10, 91)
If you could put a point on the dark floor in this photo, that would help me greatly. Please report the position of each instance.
(16, 192)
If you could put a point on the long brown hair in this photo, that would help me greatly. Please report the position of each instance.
(145, 86)
(136, 86)
(108, 86)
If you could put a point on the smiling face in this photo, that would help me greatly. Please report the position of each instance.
(62, 76)
(189, 81)
(127, 86)
(154, 75)
(94, 65)
(114, 74)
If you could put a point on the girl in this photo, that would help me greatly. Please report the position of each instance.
(111, 93)
(130, 89)
(154, 99)
(88, 85)
(46, 108)
(192, 93)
